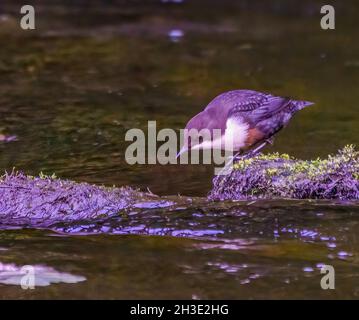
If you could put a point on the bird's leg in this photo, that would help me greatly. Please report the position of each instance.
(253, 152)
(228, 164)
(250, 154)
(237, 156)
(270, 140)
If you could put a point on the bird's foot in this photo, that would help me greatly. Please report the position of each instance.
(248, 155)
(252, 153)
(270, 141)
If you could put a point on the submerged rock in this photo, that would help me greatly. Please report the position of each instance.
(281, 176)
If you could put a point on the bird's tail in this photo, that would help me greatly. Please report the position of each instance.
(299, 104)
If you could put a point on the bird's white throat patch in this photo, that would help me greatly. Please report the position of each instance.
(233, 138)
(236, 134)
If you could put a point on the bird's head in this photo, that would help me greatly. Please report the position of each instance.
(195, 133)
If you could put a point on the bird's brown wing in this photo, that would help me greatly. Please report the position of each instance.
(235, 103)
(265, 114)
(259, 107)
(246, 106)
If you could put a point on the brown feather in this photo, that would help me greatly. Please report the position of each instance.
(254, 136)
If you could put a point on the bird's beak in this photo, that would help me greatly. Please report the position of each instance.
(308, 103)
(183, 150)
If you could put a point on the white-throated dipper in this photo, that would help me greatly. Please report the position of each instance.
(245, 117)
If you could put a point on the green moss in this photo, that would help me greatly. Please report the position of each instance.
(255, 192)
(273, 156)
(275, 175)
(271, 172)
(45, 176)
(243, 164)
(311, 168)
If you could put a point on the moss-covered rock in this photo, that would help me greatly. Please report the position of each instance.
(43, 200)
(281, 176)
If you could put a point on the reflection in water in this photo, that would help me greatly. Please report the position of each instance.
(247, 241)
(206, 251)
(175, 35)
(43, 276)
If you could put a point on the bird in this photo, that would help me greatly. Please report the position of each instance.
(248, 118)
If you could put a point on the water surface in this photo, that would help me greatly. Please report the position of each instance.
(70, 90)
